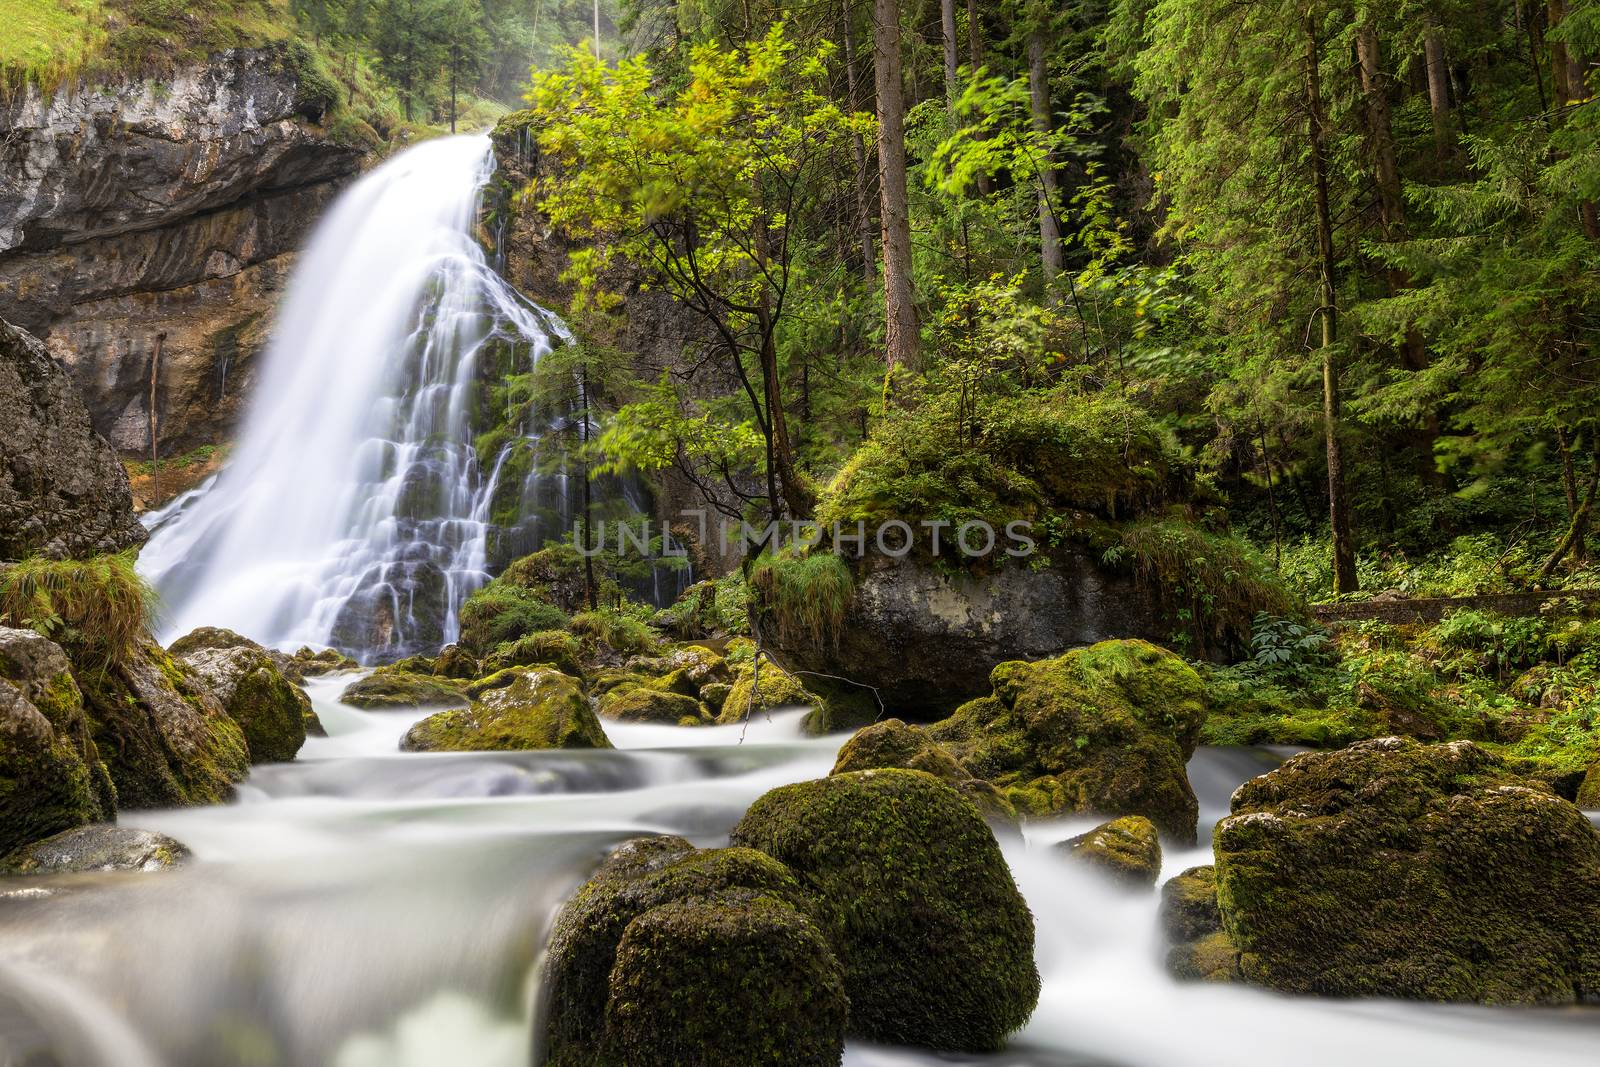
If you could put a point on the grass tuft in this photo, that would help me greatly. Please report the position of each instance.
(100, 606)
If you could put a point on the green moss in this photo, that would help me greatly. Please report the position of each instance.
(769, 688)
(539, 709)
(936, 942)
(165, 740)
(678, 1000)
(1125, 850)
(1105, 729)
(272, 712)
(557, 648)
(653, 705)
(892, 743)
(496, 615)
(1199, 950)
(1433, 873)
(617, 630)
(45, 786)
(398, 689)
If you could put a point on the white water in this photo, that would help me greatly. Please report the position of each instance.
(354, 511)
(366, 908)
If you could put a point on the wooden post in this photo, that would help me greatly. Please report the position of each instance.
(155, 469)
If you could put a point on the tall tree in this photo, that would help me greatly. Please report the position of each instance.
(1049, 183)
(901, 331)
(1344, 551)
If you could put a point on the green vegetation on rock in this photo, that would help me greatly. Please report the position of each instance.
(1433, 871)
(1125, 850)
(540, 708)
(401, 689)
(1106, 729)
(935, 939)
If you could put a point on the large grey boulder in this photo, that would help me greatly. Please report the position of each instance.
(63, 492)
(927, 638)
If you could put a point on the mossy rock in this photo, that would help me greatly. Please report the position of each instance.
(893, 743)
(1432, 872)
(1198, 949)
(772, 688)
(535, 593)
(165, 738)
(1588, 796)
(557, 648)
(453, 661)
(1106, 729)
(936, 941)
(101, 847)
(672, 955)
(396, 689)
(1125, 850)
(41, 673)
(309, 663)
(654, 705)
(45, 786)
(272, 710)
(539, 709)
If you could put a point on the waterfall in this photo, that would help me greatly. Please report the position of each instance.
(355, 510)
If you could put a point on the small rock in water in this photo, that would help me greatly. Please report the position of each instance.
(101, 847)
(1127, 850)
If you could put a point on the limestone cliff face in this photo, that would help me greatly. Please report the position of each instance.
(62, 491)
(165, 210)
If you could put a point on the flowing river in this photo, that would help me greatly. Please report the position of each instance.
(362, 907)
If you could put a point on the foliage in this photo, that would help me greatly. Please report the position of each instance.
(101, 605)
(807, 596)
(618, 628)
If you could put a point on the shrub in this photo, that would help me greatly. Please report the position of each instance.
(498, 613)
(615, 627)
(807, 597)
(100, 606)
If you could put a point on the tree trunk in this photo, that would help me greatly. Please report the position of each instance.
(590, 589)
(901, 331)
(1438, 90)
(796, 500)
(1043, 121)
(455, 63)
(975, 61)
(869, 254)
(1578, 530)
(947, 23)
(1344, 556)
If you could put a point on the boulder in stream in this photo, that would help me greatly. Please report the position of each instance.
(1199, 949)
(386, 689)
(101, 847)
(644, 704)
(1106, 729)
(671, 956)
(539, 709)
(935, 939)
(1397, 869)
(274, 712)
(1125, 850)
(893, 743)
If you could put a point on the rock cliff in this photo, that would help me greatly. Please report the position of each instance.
(62, 491)
(163, 215)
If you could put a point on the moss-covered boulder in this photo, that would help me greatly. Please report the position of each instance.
(654, 705)
(1198, 948)
(51, 773)
(1397, 869)
(453, 661)
(539, 709)
(272, 710)
(671, 955)
(166, 740)
(398, 689)
(101, 847)
(935, 939)
(1125, 850)
(535, 593)
(1106, 729)
(892, 743)
(765, 690)
(311, 663)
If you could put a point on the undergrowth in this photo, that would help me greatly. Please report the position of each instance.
(100, 607)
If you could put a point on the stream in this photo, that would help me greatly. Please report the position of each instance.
(363, 907)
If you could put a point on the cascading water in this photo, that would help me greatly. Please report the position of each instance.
(355, 511)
